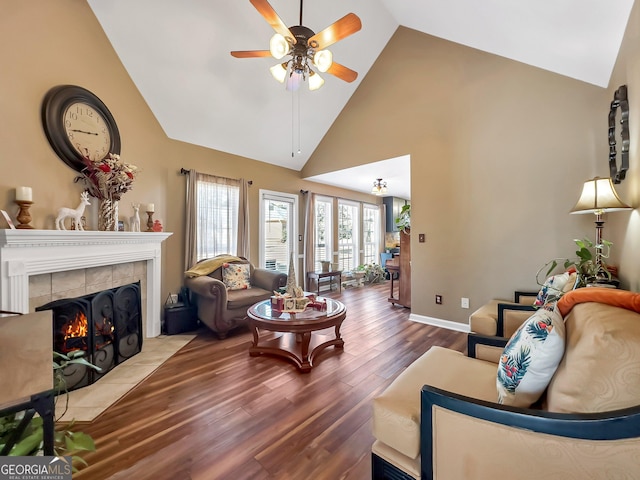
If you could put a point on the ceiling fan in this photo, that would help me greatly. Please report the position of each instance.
(305, 48)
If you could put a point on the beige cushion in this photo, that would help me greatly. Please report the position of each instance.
(396, 412)
(600, 370)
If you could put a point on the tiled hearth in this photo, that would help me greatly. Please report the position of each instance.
(88, 402)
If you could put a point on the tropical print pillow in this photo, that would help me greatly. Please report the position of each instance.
(236, 276)
(530, 358)
(553, 288)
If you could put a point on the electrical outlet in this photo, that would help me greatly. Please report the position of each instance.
(174, 298)
(439, 299)
(464, 302)
(421, 237)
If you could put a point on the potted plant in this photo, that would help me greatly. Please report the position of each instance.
(585, 263)
(403, 221)
(372, 273)
(66, 441)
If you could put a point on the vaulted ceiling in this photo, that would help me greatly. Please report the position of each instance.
(177, 54)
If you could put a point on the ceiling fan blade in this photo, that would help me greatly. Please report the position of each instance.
(251, 53)
(342, 72)
(272, 18)
(347, 25)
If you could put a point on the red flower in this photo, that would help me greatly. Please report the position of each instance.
(130, 175)
(104, 167)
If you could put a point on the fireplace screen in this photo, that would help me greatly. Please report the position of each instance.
(107, 326)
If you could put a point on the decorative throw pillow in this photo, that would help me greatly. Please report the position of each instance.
(236, 276)
(553, 288)
(530, 359)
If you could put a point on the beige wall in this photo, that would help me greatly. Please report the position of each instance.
(624, 228)
(46, 43)
(499, 151)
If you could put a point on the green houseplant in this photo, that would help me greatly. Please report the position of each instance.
(403, 221)
(373, 273)
(585, 262)
(66, 440)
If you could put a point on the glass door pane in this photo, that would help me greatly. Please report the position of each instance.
(278, 231)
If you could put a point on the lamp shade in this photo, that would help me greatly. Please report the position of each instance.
(315, 81)
(599, 196)
(278, 46)
(323, 60)
(279, 72)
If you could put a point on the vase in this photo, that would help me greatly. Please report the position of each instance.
(108, 215)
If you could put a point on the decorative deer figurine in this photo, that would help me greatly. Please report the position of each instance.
(134, 221)
(76, 214)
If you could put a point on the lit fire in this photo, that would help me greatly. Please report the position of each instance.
(76, 328)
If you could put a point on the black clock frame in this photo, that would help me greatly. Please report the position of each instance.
(620, 101)
(54, 105)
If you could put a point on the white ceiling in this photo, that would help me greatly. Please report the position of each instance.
(177, 54)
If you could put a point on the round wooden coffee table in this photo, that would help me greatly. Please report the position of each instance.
(296, 341)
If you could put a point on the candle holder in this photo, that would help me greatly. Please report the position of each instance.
(24, 217)
(150, 222)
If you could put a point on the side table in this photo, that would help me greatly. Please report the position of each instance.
(331, 275)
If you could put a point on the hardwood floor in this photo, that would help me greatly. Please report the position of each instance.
(214, 412)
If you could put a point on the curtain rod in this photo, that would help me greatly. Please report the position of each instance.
(184, 171)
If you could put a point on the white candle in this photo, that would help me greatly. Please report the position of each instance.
(24, 194)
(151, 208)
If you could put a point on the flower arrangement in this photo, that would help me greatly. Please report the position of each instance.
(109, 178)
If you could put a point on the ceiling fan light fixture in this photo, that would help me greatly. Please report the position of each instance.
(279, 72)
(315, 80)
(278, 46)
(323, 60)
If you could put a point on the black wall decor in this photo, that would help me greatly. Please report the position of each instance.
(619, 109)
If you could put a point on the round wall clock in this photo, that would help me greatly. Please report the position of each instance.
(619, 110)
(79, 126)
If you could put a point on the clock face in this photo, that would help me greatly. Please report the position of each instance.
(78, 126)
(87, 131)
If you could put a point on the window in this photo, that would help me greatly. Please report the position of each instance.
(371, 233)
(324, 231)
(278, 213)
(217, 216)
(348, 226)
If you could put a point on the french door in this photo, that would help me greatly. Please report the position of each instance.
(278, 227)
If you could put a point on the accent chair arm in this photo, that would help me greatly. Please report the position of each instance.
(484, 347)
(269, 280)
(510, 317)
(525, 298)
(208, 287)
(506, 441)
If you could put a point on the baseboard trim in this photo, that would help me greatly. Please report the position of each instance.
(438, 322)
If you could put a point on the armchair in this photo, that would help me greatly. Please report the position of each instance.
(222, 309)
(440, 418)
(502, 317)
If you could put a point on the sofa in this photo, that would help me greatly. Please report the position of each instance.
(223, 308)
(445, 416)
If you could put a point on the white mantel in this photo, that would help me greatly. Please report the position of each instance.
(33, 252)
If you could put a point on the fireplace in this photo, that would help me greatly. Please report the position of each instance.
(106, 326)
(25, 253)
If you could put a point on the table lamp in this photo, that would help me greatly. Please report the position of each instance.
(598, 197)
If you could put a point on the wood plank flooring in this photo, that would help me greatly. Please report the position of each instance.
(214, 412)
